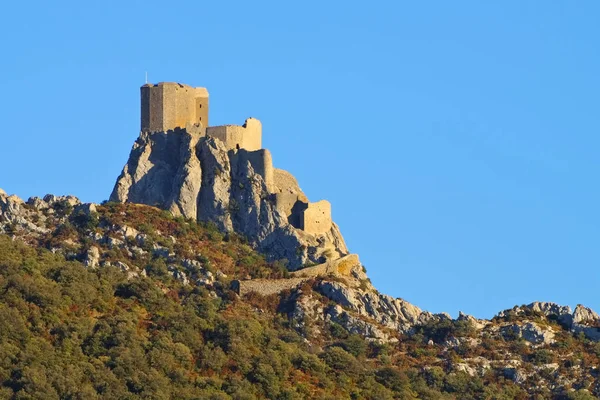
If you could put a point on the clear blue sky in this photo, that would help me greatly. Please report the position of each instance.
(457, 141)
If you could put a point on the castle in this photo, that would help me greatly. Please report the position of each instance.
(169, 106)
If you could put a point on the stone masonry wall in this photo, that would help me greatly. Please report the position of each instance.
(340, 267)
(316, 219)
(168, 106)
(266, 287)
(248, 136)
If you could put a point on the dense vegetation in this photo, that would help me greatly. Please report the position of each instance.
(73, 332)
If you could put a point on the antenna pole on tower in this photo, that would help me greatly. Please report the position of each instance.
(146, 76)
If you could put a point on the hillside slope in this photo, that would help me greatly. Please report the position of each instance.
(126, 301)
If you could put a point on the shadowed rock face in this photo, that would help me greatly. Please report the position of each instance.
(197, 177)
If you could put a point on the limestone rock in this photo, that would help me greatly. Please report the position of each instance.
(198, 177)
(515, 375)
(305, 308)
(53, 200)
(183, 199)
(355, 325)
(476, 323)
(38, 203)
(179, 275)
(550, 310)
(15, 216)
(466, 368)
(561, 313)
(585, 315)
(85, 208)
(393, 313)
(531, 332)
(586, 321)
(92, 257)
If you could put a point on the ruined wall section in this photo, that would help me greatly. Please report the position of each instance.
(343, 266)
(285, 182)
(266, 287)
(247, 136)
(316, 218)
(292, 203)
(260, 160)
(290, 206)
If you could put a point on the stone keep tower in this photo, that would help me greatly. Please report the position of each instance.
(169, 105)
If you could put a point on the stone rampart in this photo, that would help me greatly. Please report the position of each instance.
(248, 136)
(340, 267)
(266, 287)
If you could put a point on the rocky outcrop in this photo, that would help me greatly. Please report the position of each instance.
(583, 320)
(530, 331)
(396, 314)
(265, 287)
(197, 177)
(345, 266)
(30, 217)
(585, 315)
(587, 322)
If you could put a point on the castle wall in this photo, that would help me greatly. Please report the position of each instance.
(340, 267)
(288, 206)
(248, 136)
(316, 219)
(260, 160)
(167, 106)
(266, 287)
(285, 182)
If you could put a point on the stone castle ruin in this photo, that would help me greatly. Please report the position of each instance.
(222, 175)
(170, 106)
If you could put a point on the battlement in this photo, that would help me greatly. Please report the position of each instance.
(168, 105)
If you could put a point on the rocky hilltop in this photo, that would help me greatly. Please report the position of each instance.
(209, 274)
(197, 176)
(156, 264)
